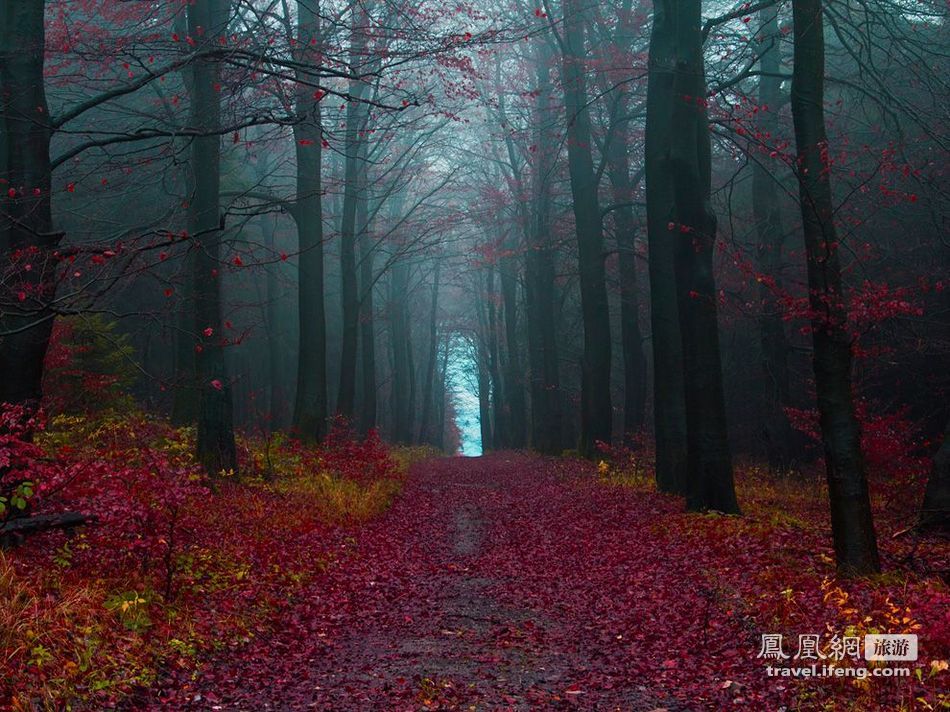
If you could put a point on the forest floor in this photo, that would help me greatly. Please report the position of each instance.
(510, 581)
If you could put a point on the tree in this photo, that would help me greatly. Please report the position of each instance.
(428, 392)
(501, 431)
(710, 483)
(678, 167)
(346, 397)
(777, 431)
(215, 440)
(618, 170)
(935, 511)
(851, 523)
(399, 338)
(311, 409)
(540, 291)
(596, 409)
(669, 399)
(367, 310)
(509, 267)
(27, 238)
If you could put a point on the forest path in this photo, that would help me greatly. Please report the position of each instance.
(460, 597)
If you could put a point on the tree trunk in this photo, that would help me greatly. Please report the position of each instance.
(669, 399)
(484, 397)
(185, 396)
(596, 410)
(777, 431)
(851, 523)
(346, 398)
(368, 407)
(514, 386)
(310, 408)
(634, 360)
(440, 410)
(710, 484)
(276, 341)
(215, 439)
(428, 388)
(618, 170)
(500, 429)
(509, 270)
(410, 359)
(540, 289)
(935, 512)
(26, 225)
(402, 362)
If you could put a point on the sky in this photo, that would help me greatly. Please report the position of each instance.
(461, 369)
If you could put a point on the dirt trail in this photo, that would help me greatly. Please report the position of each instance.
(414, 617)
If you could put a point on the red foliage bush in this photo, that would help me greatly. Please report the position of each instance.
(174, 564)
(360, 460)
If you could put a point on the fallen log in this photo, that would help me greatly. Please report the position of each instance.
(14, 529)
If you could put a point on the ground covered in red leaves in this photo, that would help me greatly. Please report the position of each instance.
(520, 582)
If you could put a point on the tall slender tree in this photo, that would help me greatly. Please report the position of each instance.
(501, 430)
(669, 399)
(27, 238)
(368, 405)
(770, 239)
(710, 483)
(353, 167)
(428, 389)
(623, 186)
(311, 405)
(851, 524)
(596, 409)
(540, 290)
(514, 368)
(935, 510)
(215, 439)
(399, 338)
(679, 168)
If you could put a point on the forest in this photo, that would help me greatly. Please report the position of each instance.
(522, 354)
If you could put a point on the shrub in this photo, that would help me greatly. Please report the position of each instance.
(89, 367)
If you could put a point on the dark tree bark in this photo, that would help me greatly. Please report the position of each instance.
(777, 431)
(514, 385)
(500, 428)
(26, 225)
(411, 359)
(402, 359)
(277, 411)
(669, 399)
(596, 410)
(540, 289)
(710, 484)
(354, 166)
(484, 397)
(851, 523)
(509, 268)
(623, 186)
(310, 408)
(431, 360)
(935, 511)
(442, 397)
(634, 359)
(215, 439)
(368, 406)
(14, 531)
(185, 396)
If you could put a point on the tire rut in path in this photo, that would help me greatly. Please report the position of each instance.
(411, 620)
(465, 659)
